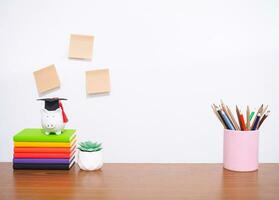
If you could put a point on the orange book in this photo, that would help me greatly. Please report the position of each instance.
(43, 149)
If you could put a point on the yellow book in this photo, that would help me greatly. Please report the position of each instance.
(44, 144)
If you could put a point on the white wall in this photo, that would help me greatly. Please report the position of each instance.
(168, 60)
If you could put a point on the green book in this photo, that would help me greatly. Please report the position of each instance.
(38, 135)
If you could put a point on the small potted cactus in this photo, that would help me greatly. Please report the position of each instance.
(90, 156)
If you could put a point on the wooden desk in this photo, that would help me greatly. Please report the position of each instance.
(141, 181)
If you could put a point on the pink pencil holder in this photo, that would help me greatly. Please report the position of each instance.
(241, 150)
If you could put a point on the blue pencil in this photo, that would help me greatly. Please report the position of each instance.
(256, 122)
(226, 119)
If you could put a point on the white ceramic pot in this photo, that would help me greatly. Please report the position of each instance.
(90, 161)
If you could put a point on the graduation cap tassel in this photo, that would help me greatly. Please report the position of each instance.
(65, 118)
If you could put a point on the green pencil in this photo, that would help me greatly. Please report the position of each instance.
(251, 115)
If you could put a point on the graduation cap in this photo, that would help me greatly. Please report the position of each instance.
(52, 104)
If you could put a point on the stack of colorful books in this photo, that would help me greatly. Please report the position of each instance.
(33, 149)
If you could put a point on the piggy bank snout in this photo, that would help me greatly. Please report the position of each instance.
(48, 125)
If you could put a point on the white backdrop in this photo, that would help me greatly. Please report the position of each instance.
(168, 61)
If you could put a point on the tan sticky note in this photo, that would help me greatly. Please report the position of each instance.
(97, 81)
(81, 46)
(46, 79)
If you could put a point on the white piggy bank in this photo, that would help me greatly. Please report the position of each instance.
(52, 121)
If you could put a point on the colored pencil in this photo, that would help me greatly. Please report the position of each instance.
(218, 116)
(247, 118)
(242, 122)
(264, 110)
(228, 115)
(263, 118)
(225, 119)
(260, 110)
(238, 116)
(256, 122)
(251, 115)
(233, 119)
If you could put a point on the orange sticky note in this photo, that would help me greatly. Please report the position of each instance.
(81, 46)
(46, 79)
(97, 81)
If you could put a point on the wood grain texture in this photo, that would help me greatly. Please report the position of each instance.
(141, 181)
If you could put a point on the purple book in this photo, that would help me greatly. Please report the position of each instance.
(43, 160)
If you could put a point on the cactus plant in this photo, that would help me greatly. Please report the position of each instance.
(89, 146)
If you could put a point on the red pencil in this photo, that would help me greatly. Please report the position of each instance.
(242, 122)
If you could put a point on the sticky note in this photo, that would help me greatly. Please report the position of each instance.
(97, 81)
(46, 79)
(81, 46)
